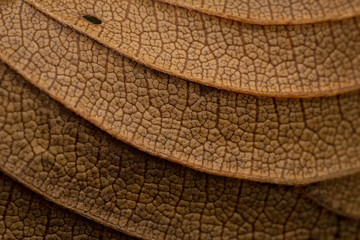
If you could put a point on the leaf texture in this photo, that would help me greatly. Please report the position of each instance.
(263, 94)
(25, 215)
(281, 61)
(67, 160)
(340, 195)
(274, 12)
(290, 141)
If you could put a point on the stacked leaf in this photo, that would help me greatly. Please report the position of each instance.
(239, 120)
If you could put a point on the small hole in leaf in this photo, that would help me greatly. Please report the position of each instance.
(92, 19)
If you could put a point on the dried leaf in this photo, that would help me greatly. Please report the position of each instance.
(288, 141)
(339, 195)
(283, 61)
(268, 114)
(274, 12)
(76, 165)
(25, 215)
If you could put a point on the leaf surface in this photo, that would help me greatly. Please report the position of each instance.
(281, 61)
(274, 12)
(290, 141)
(76, 165)
(339, 195)
(25, 215)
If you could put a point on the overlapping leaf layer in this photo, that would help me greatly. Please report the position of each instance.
(159, 122)
(274, 12)
(288, 61)
(25, 215)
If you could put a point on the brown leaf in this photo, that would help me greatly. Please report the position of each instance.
(25, 215)
(76, 165)
(339, 195)
(282, 61)
(288, 141)
(281, 135)
(274, 12)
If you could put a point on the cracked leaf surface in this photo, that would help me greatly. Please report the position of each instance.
(288, 61)
(78, 166)
(274, 12)
(275, 140)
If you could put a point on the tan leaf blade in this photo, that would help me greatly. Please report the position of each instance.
(274, 12)
(288, 141)
(281, 61)
(340, 195)
(25, 215)
(78, 166)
